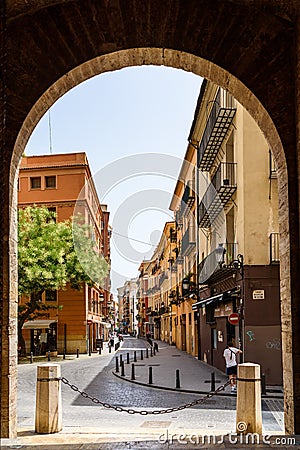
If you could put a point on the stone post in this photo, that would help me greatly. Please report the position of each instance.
(248, 409)
(48, 415)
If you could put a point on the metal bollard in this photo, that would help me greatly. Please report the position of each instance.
(109, 348)
(134, 356)
(100, 350)
(263, 384)
(31, 357)
(78, 353)
(121, 360)
(122, 369)
(132, 372)
(48, 416)
(177, 379)
(150, 375)
(151, 351)
(117, 364)
(127, 358)
(212, 382)
(147, 353)
(64, 354)
(49, 359)
(142, 355)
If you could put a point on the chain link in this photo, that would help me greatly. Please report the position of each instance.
(199, 401)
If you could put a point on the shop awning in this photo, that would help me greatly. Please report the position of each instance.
(35, 324)
(208, 301)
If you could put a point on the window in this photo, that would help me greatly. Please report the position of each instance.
(51, 296)
(50, 182)
(35, 182)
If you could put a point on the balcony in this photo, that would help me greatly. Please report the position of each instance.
(163, 277)
(188, 198)
(274, 248)
(188, 240)
(217, 195)
(209, 265)
(217, 126)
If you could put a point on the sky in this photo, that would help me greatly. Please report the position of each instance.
(133, 124)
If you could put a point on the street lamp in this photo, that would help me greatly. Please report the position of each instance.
(237, 263)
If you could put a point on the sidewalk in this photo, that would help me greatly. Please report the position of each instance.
(195, 376)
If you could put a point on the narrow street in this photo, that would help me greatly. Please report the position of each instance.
(94, 375)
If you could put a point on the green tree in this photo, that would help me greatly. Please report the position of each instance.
(50, 256)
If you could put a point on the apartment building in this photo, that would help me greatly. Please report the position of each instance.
(63, 182)
(157, 281)
(128, 307)
(236, 294)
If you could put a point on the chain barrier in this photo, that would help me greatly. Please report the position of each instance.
(144, 412)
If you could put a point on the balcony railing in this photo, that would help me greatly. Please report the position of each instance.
(217, 125)
(217, 195)
(189, 196)
(274, 248)
(209, 265)
(188, 240)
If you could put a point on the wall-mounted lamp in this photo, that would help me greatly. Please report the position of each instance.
(237, 264)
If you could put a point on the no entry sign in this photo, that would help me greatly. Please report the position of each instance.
(233, 318)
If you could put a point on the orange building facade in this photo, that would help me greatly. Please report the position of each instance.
(77, 319)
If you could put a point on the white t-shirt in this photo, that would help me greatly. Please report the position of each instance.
(229, 355)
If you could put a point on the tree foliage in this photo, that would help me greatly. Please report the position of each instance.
(50, 256)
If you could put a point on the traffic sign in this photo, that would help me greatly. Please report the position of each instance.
(233, 318)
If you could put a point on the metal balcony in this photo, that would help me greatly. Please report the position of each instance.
(217, 195)
(217, 126)
(209, 265)
(188, 241)
(188, 198)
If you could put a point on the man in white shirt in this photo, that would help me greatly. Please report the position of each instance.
(229, 354)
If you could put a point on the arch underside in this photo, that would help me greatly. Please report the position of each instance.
(245, 47)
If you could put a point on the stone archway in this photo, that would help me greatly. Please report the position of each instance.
(240, 47)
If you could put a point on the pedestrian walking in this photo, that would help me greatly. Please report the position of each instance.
(229, 354)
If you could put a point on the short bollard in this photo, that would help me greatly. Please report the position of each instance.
(122, 369)
(121, 360)
(127, 358)
(49, 359)
(132, 372)
(263, 384)
(147, 353)
(212, 382)
(99, 350)
(31, 357)
(142, 355)
(117, 364)
(78, 353)
(151, 351)
(248, 404)
(64, 354)
(109, 348)
(48, 414)
(150, 375)
(177, 379)
(154, 351)
(134, 356)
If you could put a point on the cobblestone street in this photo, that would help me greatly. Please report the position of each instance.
(87, 420)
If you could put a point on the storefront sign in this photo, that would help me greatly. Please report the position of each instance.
(258, 294)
